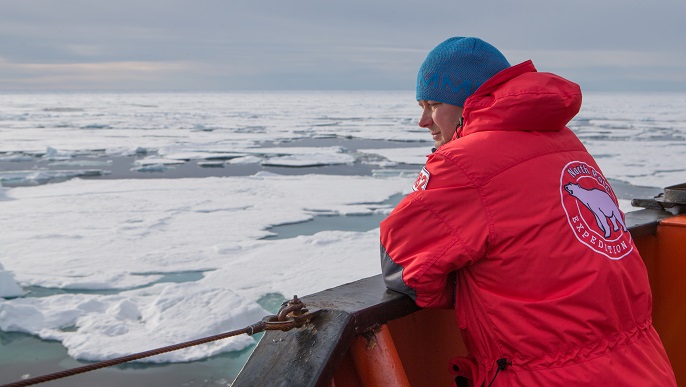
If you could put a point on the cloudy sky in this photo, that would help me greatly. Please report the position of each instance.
(161, 45)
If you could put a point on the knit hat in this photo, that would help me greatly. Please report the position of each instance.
(456, 68)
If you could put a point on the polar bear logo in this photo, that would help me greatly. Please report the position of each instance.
(601, 205)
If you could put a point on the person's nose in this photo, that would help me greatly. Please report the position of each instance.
(425, 120)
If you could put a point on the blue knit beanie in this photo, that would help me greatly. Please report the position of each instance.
(456, 68)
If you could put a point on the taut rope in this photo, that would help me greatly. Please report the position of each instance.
(292, 314)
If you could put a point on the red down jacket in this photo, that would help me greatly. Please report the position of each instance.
(514, 225)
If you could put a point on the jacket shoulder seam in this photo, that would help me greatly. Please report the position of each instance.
(455, 238)
(476, 185)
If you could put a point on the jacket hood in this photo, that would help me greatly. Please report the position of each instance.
(520, 98)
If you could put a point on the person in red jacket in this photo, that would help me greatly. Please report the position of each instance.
(513, 224)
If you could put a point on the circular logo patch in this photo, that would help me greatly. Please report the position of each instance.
(592, 211)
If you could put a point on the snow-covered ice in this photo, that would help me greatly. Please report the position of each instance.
(100, 250)
(8, 285)
(122, 234)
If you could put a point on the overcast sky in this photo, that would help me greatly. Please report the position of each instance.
(160, 45)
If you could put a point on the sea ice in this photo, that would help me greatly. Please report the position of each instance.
(90, 235)
(309, 160)
(99, 327)
(33, 177)
(8, 286)
(416, 156)
(54, 154)
(245, 160)
(87, 239)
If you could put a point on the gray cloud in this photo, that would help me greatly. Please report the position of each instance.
(323, 44)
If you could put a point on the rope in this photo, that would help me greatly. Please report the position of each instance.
(295, 316)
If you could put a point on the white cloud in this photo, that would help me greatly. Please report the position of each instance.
(88, 75)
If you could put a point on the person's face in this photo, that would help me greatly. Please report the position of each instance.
(441, 119)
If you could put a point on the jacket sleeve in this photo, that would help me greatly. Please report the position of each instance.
(431, 234)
